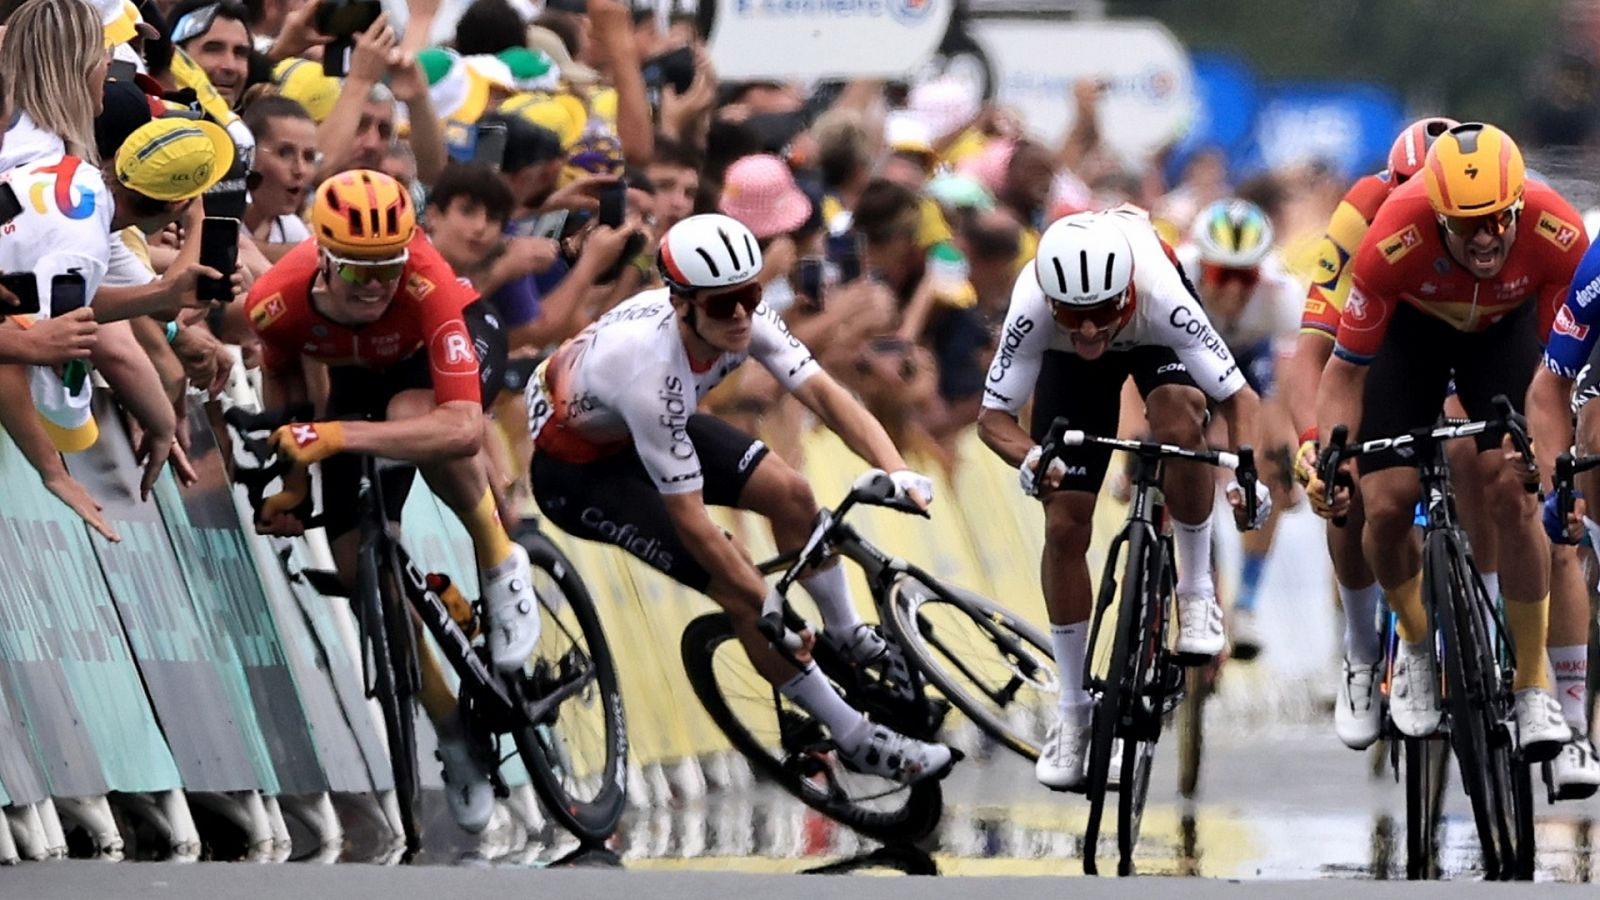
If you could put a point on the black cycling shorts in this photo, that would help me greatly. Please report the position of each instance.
(614, 500)
(365, 394)
(1410, 377)
(1089, 394)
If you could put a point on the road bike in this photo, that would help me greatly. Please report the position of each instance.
(562, 711)
(1479, 662)
(1144, 680)
(946, 646)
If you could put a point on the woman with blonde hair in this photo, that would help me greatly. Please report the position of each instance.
(53, 64)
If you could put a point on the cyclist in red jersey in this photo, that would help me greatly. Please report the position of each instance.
(1442, 286)
(412, 363)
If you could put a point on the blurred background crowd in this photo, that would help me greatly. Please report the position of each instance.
(895, 212)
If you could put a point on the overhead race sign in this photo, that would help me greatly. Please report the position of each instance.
(1149, 94)
(755, 39)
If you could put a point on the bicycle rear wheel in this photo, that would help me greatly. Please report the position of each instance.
(577, 754)
(992, 665)
(388, 635)
(786, 745)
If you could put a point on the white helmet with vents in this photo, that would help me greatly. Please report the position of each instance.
(708, 251)
(1084, 260)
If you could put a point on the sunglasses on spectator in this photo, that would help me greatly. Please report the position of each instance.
(1222, 276)
(194, 23)
(1468, 226)
(363, 271)
(721, 306)
(1101, 315)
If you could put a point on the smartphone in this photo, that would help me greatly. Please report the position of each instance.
(844, 251)
(578, 7)
(219, 249)
(809, 281)
(69, 292)
(489, 146)
(613, 203)
(336, 58)
(344, 19)
(675, 67)
(26, 289)
(10, 206)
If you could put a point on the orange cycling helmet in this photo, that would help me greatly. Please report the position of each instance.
(363, 214)
(1474, 170)
(1411, 146)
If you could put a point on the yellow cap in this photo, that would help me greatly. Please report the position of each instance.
(303, 82)
(122, 22)
(563, 114)
(174, 159)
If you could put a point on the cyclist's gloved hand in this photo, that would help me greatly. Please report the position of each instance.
(1317, 490)
(1235, 494)
(1028, 472)
(305, 443)
(1305, 462)
(1562, 532)
(913, 486)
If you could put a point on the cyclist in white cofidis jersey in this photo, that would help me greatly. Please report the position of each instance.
(1106, 300)
(622, 457)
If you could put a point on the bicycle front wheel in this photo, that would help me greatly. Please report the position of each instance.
(988, 662)
(577, 754)
(792, 749)
(388, 635)
(1426, 762)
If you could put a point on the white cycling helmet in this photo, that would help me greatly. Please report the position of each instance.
(708, 251)
(1235, 234)
(1084, 260)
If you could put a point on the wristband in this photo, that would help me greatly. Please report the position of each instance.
(172, 331)
(1310, 434)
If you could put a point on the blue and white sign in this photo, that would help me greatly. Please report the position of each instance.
(1348, 125)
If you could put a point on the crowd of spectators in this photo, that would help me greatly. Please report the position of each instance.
(894, 218)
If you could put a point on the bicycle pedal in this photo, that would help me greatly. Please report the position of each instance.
(1193, 660)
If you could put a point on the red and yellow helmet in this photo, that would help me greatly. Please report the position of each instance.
(1473, 170)
(363, 214)
(1411, 146)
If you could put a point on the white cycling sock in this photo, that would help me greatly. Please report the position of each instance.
(1571, 666)
(1070, 643)
(831, 591)
(1361, 643)
(812, 692)
(1194, 557)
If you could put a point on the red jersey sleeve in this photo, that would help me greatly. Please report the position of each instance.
(1369, 307)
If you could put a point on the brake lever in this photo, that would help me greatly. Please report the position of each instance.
(1564, 477)
(1328, 466)
(1516, 425)
(1245, 474)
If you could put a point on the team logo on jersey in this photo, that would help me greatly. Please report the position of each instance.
(1567, 325)
(451, 350)
(1331, 259)
(1557, 231)
(418, 286)
(268, 311)
(1316, 307)
(1397, 245)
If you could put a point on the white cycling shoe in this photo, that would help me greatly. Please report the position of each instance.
(1200, 634)
(1576, 771)
(890, 754)
(513, 610)
(1540, 726)
(862, 645)
(467, 790)
(1064, 755)
(1414, 690)
(1357, 715)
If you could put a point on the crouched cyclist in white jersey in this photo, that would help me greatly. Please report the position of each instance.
(1105, 300)
(622, 457)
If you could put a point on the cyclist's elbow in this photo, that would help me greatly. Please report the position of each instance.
(463, 434)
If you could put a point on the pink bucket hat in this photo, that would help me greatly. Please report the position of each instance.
(760, 192)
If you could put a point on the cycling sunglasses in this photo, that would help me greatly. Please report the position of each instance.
(1468, 226)
(1101, 315)
(194, 23)
(362, 271)
(721, 306)
(1222, 276)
